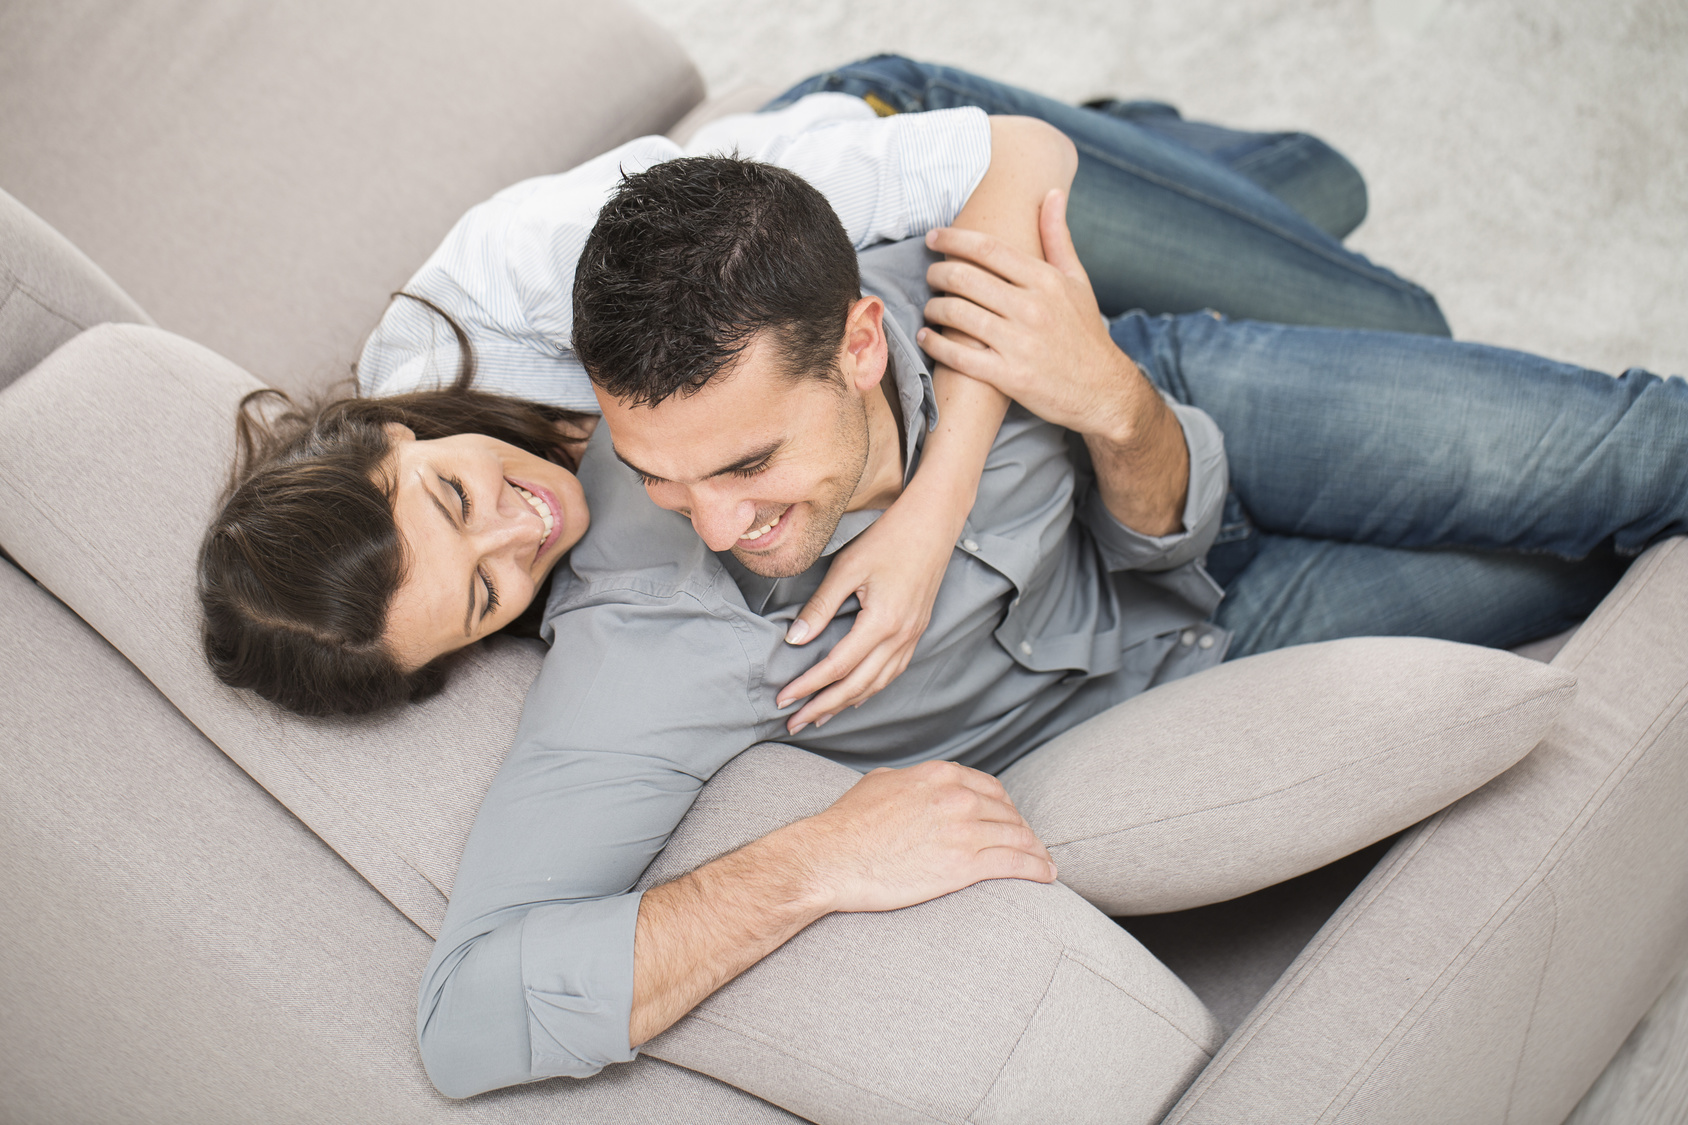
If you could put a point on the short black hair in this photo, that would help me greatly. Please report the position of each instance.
(692, 258)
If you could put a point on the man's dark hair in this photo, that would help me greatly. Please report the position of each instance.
(692, 258)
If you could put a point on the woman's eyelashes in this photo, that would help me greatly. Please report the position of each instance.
(462, 497)
(467, 506)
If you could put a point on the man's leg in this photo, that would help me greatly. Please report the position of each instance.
(1375, 476)
(1163, 226)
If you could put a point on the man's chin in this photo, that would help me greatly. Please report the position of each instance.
(782, 563)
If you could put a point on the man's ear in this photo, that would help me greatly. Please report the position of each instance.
(398, 431)
(865, 350)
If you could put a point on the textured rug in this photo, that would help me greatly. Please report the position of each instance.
(1527, 161)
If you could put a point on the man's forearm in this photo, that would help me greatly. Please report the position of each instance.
(703, 929)
(1142, 461)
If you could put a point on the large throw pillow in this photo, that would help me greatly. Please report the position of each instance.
(1259, 770)
(1008, 1001)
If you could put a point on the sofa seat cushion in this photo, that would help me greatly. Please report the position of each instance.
(261, 176)
(1265, 768)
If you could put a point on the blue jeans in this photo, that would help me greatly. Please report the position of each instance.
(1171, 216)
(1385, 483)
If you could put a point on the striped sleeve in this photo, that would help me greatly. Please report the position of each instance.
(505, 273)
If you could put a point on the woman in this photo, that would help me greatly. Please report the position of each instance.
(366, 541)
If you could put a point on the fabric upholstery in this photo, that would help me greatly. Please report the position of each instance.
(179, 948)
(1271, 766)
(1491, 964)
(49, 291)
(261, 176)
(396, 796)
(992, 1004)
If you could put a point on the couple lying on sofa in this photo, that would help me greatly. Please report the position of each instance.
(1027, 524)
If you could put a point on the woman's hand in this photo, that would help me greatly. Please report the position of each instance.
(894, 569)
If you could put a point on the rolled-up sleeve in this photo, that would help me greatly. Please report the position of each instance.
(1204, 504)
(532, 974)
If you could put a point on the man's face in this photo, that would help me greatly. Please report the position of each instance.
(764, 465)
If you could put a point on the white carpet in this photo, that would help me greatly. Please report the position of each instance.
(1528, 162)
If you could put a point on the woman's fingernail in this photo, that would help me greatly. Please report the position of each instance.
(799, 629)
(798, 729)
(822, 721)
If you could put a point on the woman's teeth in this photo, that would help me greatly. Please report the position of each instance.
(538, 506)
(761, 531)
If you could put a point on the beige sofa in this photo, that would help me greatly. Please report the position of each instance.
(214, 912)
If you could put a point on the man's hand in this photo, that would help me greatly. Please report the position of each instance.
(1044, 344)
(896, 838)
(901, 837)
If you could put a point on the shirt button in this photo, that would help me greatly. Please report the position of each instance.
(1025, 648)
(1206, 641)
(970, 544)
(1187, 638)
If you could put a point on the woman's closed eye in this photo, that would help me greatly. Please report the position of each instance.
(467, 507)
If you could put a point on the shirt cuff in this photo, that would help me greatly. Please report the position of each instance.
(1125, 549)
(942, 155)
(577, 980)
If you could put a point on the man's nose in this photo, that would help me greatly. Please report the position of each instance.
(720, 520)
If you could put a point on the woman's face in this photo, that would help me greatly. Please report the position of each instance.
(482, 523)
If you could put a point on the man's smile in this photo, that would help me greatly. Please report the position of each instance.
(766, 537)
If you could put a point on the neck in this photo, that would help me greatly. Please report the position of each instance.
(882, 480)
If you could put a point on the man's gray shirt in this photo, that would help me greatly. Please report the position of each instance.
(665, 662)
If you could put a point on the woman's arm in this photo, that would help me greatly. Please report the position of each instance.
(895, 567)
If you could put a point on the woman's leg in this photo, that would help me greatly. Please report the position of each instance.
(1375, 477)
(1314, 179)
(1163, 226)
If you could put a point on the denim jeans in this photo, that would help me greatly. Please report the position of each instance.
(1172, 216)
(1386, 483)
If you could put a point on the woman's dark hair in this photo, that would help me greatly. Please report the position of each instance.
(300, 565)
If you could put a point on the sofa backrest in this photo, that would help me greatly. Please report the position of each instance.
(260, 176)
(49, 291)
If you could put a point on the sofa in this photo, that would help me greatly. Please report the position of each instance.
(215, 911)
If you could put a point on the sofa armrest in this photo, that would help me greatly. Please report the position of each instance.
(1007, 1001)
(1495, 959)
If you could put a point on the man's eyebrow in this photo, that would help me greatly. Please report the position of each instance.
(468, 614)
(749, 460)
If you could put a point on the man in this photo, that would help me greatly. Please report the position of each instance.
(761, 409)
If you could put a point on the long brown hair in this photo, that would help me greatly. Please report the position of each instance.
(300, 565)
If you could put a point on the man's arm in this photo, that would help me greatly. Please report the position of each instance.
(1047, 347)
(895, 567)
(897, 838)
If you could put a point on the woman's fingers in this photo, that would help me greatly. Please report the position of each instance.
(841, 581)
(852, 688)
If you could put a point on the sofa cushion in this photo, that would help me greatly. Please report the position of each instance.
(49, 291)
(260, 176)
(1008, 1001)
(1497, 956)
(113, 452)
(1258, 770)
